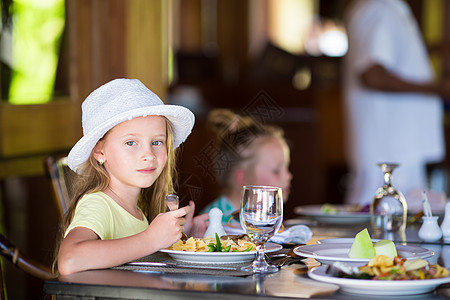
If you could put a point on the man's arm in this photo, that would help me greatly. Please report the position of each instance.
(379, 78)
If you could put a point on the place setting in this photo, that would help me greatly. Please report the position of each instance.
(335, 213)
(260, 246)
(366, 266)
(342, 263)
(239, 254)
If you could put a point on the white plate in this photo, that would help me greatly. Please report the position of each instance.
(341, 217)
(341, 241)
(332, 252)
(378, 287)
(218, 257)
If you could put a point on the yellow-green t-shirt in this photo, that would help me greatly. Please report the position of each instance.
(101, 214)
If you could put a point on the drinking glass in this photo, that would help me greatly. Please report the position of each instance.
(388, 209)
(261, 215)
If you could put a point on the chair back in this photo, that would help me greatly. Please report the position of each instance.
(12, 253)
(60, 177)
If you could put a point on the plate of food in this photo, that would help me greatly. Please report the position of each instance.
(329, 253)
(341, 241)
(334, 213)
(237, 249)
(399, 277)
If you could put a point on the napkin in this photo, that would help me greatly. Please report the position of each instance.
(297, 234)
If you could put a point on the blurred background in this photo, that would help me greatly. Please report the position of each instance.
(280, 56)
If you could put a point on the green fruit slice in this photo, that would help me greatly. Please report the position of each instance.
(362, 246)
(385, 247)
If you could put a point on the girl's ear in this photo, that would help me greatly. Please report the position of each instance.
(97, 152)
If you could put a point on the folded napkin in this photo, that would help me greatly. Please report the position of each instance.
(297, 234)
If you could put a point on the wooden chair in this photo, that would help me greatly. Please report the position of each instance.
(2, 284)
(60, 177)
(30, 266)
(13, 254)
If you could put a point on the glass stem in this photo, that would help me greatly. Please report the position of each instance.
(260, 249)
(387, 179)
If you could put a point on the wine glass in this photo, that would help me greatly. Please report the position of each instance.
(261, 215)
(388, 209)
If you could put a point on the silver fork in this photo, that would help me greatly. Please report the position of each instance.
(172, 202)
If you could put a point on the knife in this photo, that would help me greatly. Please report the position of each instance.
(173, 265)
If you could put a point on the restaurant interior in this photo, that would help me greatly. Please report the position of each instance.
(202, 54)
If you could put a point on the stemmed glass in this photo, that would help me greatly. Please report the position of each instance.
(388, 209)
(261, 215)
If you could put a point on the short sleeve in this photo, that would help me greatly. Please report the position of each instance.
(94, 213)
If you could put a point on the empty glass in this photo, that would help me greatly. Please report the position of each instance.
(261, 215)
(388, 209)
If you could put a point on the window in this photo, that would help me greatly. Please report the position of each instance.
(31, 39)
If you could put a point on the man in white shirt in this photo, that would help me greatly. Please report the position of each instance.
(392, 107)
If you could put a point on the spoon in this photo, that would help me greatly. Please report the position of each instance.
(172, 202)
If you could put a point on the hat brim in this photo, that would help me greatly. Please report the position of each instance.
(182, 120)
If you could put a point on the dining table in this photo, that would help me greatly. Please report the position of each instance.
(168, 278)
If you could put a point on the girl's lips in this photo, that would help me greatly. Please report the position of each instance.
(147, 171)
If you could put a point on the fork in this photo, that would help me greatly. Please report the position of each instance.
(172, 202)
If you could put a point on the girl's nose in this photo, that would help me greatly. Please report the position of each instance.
(148, 154)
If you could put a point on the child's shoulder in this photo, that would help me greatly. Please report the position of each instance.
(95, 195)
(97, 202)
(98, 198)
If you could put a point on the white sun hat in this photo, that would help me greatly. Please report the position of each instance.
(120, 100)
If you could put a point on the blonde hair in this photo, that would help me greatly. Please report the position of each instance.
(237, 140)
(93, 177)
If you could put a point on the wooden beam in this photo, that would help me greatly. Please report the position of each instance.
(35, 129)
(147, 43)
(79, 29)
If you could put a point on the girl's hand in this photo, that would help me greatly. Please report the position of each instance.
(197, 226)
(166, 228)
(201, 223)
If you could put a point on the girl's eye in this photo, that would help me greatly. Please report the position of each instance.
(130, 143)
(157, 143)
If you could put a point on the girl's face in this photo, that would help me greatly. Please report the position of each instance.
(272, 166)
(135, 151)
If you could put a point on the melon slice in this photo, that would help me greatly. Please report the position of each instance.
(385, 247)
(362, 246)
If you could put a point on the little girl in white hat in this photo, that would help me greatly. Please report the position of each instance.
(125, 162)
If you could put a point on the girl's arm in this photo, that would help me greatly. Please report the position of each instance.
(82, 249)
